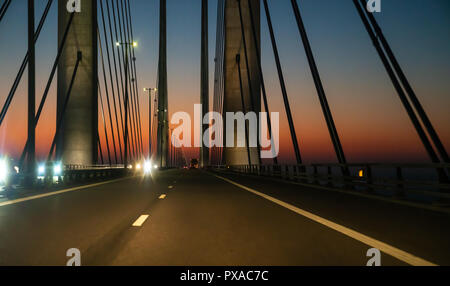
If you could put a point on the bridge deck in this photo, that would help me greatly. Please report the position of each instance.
(204, 220)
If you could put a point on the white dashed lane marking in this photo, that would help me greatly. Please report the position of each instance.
(140, 221)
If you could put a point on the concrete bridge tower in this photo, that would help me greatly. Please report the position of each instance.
(77, 143)
(233, 46)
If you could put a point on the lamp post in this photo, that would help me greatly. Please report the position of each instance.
(150, 119)
(172, 149)
(132, 45)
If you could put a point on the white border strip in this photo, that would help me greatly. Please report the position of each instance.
(386, 248)
(26, 199)
(140, 221)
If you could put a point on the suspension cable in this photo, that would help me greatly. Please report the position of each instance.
(49, 83)
(283, 87)
(4, 8)
(132, 80)
(136, 81)
(104, 123)
(263, 85)
(111, 80)
(126, 54)
(249, 80)
(319, 87)
(24, 65)
(107, 97)
(409, 90)
(115, 71)
(244, 109)
(121, 57)
(63, 111)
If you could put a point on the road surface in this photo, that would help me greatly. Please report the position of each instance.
(195, 218)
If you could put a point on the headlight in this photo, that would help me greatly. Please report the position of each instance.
(57, 170)
(3, 170)
(41, 170)
(138, 166)
(156, 166)
(147, 167)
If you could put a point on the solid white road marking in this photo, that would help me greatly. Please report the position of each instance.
(12, 202)
(162, 197)
(140, 221)
(386, 248)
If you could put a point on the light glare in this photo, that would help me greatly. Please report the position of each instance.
(3, 171)
(57, 170)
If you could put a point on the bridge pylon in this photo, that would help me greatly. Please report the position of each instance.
(77, 142)
(251, 90)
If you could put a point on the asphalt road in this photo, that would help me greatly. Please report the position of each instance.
(194, 218)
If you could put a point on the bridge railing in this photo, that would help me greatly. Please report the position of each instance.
(417, 182)
(79, 173)
(92, 167)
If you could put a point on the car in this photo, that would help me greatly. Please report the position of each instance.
(50, 172)
(9, 173)
(194, 164)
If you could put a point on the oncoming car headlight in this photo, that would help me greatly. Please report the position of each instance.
(4, 170)
(57, 170)
(41, 170)
(148, 167)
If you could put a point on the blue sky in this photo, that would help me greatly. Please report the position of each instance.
(367, 111)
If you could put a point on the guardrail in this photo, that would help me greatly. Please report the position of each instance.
(75, 174)
(67, 175)
(418, 182)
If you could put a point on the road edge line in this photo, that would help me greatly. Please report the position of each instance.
(383, 247)
(41, 196)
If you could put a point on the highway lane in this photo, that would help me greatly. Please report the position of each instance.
(422, 232)
(39, 232)
(192, 218)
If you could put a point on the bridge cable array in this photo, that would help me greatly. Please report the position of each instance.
(123, 84)
(387, 56)
(61, 115)
(49, 84)
(4, 8)
(395, 73)
(123, 33)
(219, 80)
(24, 64)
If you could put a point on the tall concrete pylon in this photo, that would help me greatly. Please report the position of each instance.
(77, 142)
(163, 109)
(234, 46)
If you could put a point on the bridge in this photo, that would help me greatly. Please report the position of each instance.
(123, 200)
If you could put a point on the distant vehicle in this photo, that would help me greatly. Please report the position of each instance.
(9, 173)
(50, 172)
(194, 164)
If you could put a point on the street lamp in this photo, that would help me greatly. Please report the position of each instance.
(150, 119)
(131, 45)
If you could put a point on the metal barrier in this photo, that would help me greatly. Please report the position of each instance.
(75, 174)
(420, 182)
